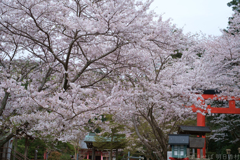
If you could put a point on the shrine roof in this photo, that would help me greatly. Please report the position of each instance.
(91, 138)
(178, 139)
(194, 130)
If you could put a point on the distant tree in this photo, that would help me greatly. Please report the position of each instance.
(225, 132)
(55, 155)
(235, 4)
(111, 138)
(227, 128)
(76, 144)
(41, 145)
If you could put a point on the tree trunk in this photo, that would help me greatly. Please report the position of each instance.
(15, 147)
(116, 154)
(93, 153)
(4, 102)
(76, 148)
(111, 147)
(159, 151)
(26, 148)
(110, 158)
(4, 138)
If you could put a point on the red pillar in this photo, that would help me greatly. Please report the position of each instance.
(232, 104)
(201, 122)
(101, 155)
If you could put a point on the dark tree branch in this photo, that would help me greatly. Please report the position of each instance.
(4, 102)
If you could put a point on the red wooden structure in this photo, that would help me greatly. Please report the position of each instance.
(171, 158)
(201, 118)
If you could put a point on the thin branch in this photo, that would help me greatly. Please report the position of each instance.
(104, 76)
(92, 61)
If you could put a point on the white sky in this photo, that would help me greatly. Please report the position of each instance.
(207, 16)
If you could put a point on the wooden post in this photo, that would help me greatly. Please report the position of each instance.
(188, 152)
(93, 153)
(116, 154)
(201, 122)
(193, 152)
(35, 155)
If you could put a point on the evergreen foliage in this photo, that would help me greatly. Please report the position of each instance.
(235, 5)
(41, 146)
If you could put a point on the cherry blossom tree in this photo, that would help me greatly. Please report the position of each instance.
(13, 76)
(221, 56)
(157, 92)
(228, 128)
(221, 60)
(65, 62)
(67, 54)
(217, 67)
(81, 59)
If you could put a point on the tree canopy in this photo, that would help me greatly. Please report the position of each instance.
(64, 64)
